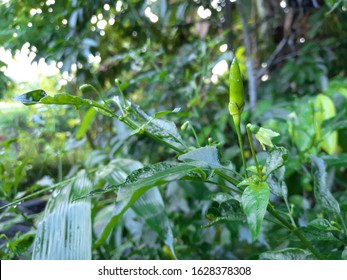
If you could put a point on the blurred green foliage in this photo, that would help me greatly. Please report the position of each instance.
(165, 63)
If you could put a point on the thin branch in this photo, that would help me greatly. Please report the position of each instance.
(286, 57)
(272, 58)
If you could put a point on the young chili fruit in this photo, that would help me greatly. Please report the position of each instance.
(236, 103)
(236, 99)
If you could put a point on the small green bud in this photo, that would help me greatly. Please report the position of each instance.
(210, 141)
(237, 98)
(252, 169)
(141, 130)
(185, 125)
(85, 87)
(253, 128)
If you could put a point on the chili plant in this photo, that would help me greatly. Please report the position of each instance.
(256, 192)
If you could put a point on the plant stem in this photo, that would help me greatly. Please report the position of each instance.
(60, 167)
(97, 105)
(120, 90)
(289, 214)
(296, 231)
(195, 135)
(237, 123)
(249, 135)
(226, 177)
(343, 223)
(129, 122)
(134, 126)
(20, 200)
(98, 94)
(224, 187)
(41, 191)
(278, 217)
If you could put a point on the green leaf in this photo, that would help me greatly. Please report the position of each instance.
(301, 124)
(39, 96)
(65, 232)
(117, 170)
(277, 184)
(335, 123)
(321, 191)
(160, 129)
(150, 207)
(36, 193)
(336, 160)
(313, 234)
(321, 224)
(86, 123)
(205, 156)
(333, 5)
(136, 184)
(276, 159)
(339, 235)
(325, 109)
(288, 254)
(66, 99)
(275, 171)
(31, 97)
(320, 230)
(344, 254)
(255, 199)
(164, 113)
(221, 197)
(228, 210)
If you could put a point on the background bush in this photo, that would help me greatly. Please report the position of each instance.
(164, 55)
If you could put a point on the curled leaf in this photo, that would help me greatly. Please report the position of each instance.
(31, 97)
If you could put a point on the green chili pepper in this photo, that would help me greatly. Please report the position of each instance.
(185, 125)
(236, 103)
(237, 99)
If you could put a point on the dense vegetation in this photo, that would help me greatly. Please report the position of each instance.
(130, 151)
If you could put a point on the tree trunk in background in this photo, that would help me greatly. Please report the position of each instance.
(252, 87)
